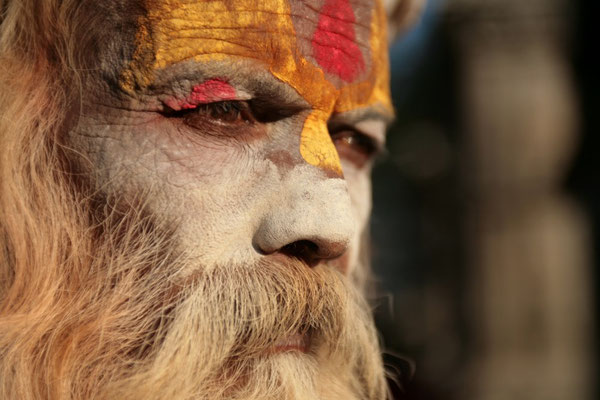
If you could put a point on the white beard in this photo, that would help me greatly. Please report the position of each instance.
(217, 345)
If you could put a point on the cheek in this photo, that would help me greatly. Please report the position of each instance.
(359, 188)
(207, 188)
(125, 155)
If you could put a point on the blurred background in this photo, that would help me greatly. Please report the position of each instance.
(486, 220)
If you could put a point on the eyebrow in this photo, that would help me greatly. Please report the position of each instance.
(260, 85)
(257, 81)
(365, 113)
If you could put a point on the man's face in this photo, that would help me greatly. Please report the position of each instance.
(249, 126)
(252, 124)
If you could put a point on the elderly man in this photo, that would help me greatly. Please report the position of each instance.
(184, 188)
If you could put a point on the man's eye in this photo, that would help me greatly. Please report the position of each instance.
(354, 146)
(229, 112)
(224, 112)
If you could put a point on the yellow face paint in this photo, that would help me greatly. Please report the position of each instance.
(316, 146)
(174, 31)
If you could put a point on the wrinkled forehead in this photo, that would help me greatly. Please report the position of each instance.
(332, 52)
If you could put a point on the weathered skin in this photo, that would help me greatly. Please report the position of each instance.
(243, 187)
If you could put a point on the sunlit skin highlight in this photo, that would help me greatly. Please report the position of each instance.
(171, 31)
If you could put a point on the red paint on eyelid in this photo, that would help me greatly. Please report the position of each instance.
(334, 42)
(209, 91)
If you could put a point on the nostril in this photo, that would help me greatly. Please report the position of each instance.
(305, 250)
(312, 252)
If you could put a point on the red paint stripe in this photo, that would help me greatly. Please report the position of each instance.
(334, 42)
(209, 91)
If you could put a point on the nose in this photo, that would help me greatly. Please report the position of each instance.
(310, 218)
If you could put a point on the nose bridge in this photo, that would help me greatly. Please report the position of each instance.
(309, 207)
(316, 146)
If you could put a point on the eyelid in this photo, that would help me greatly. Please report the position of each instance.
(375, 128)
(376, 140)
(269, 110)
(199, 110)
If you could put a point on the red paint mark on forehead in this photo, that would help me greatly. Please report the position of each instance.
(209, 91)
(334, 41)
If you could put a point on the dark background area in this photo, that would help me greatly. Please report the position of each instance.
(443, 201)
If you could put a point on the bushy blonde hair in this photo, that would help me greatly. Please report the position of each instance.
(57, 297)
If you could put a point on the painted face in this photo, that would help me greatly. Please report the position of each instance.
(252, 124)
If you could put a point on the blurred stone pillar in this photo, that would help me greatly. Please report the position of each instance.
(527, 242)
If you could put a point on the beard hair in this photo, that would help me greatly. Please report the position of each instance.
(218, 338)
(121, 320)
